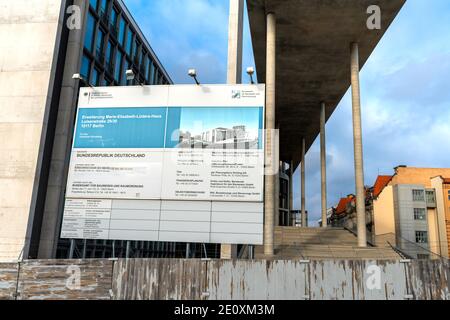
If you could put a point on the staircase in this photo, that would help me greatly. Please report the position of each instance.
(322, 244)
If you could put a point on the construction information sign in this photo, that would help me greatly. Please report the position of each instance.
(168, 163)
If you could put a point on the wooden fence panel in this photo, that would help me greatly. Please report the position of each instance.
(257, 280)
(166, 279)
(379, 280)
(429, 279)
(8, 280)
(57, 280)
(159, 279)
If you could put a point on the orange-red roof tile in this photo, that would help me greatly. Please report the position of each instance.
(380, 184)
(342, 206)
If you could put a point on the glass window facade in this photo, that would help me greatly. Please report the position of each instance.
(90, 31)
(129, 44)
(85, 67)
(93, 4)
(112, 46)
(122, 27)
(118, 66)
(99, 43)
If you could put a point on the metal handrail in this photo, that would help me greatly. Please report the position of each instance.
(415, 245)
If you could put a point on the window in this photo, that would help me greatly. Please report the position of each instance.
(420, 214)
(122, 27)
(103, 7)
(146, 66)
(109, 53)
(421, 237)
(118, 66)
(430, 196)
(136, 51)
(113, 21)
(99, 46)
(89, 38)
(418, 195)
(95, 77)
(85, 67)
(151, 77)
(128, 48)
(126, 66)
(93, 4)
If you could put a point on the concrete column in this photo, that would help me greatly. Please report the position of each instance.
(291, 191)
(357, 141)
(269, 181)
(303, 183)
(235, 43)
(323, 164)
(62, 143)
(278, 216)
(234, 76)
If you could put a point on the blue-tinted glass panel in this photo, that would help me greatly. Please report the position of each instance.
(95, 77)
(99, 46)
(109, 53)
(151, 77)
(118, 66)
(126, 66)
(122, 31)
(104, 6)
(85, 67)
(113, 21)
(129, 49)
(90, 28)
(93, 4)
(146, 67)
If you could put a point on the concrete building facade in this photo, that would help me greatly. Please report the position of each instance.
(44, 43)
(410, 210)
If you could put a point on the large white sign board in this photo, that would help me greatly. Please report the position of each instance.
(168, 163)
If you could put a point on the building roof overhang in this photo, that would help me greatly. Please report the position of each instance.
(313, 58)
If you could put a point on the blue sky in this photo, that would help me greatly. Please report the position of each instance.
(405, 86)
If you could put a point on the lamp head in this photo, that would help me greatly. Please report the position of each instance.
(192, 73)
(130, 74)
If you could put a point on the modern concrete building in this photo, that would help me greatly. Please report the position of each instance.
(43, 44)
(308, 53)
(411, 211)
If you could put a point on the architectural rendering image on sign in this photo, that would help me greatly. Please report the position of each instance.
(169, 166)
(220, 128)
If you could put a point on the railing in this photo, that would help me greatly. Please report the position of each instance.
(411, 250)
(415, 250)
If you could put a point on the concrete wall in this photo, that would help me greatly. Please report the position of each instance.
(164, 279)
(28, 33)
(441, 198)
(418, 175)
(383, 212)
